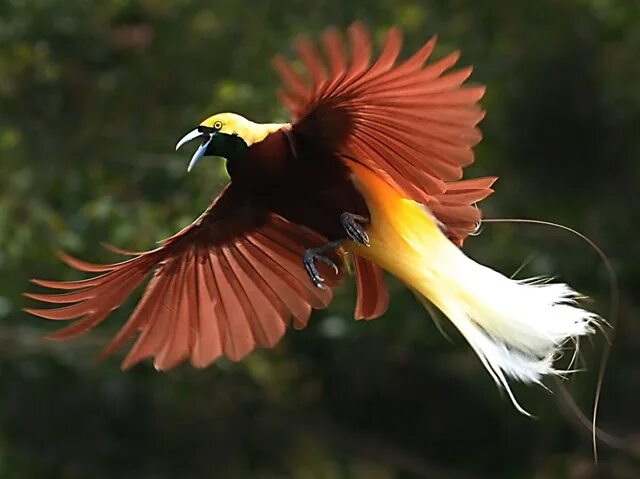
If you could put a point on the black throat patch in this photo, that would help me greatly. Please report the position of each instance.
(231, 147)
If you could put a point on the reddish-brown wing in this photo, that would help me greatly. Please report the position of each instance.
(413, 123)
(225, 284)
(456, 207)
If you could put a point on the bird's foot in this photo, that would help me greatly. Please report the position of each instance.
(352, 225)
(311, 255)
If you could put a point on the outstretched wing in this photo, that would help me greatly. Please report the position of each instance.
(414, 124)
(225, 284)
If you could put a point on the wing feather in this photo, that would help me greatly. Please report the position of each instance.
(207, 344)
(414, 122)
(174, 345)
(144, 310)
(222, 286)
(293, 291)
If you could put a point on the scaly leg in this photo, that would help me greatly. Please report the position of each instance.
(310, 256)
(355, 232)
(352, 224)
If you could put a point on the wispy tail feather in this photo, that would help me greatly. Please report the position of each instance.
(518, 328)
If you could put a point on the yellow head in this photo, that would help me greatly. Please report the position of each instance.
(228, 135)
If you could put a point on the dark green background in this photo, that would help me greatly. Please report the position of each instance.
(94, 95)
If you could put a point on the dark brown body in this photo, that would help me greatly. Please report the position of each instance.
(312, 190)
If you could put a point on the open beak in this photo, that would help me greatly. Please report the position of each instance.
(192, 135)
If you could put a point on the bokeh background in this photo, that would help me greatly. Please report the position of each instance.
(94, 95)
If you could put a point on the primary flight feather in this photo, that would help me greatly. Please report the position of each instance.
(369, 167)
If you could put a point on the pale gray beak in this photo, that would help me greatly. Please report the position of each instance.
(192, 135)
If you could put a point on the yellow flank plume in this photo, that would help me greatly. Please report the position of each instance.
(234, 124)
(399, 230)
(516, 327)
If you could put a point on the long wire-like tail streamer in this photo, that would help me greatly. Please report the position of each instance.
(613, 320)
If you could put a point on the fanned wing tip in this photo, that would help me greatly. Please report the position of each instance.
(45, 283)
(33, 311)
(357, 24)
(277, 62)
(62, 334)
(307, 52)
(331, 31)
(332, 42)
(81, 326)
(358, 32)
(241, 295)
(489, 181)
(462, 74)
(81, 265)
(481, 114)
(53, 298)
(481, 89)
(428, 104)
(54, 313)
(421, 56)
(395, 34)
(120, 251)
(473, 184)
(295, 84)
(457, 209)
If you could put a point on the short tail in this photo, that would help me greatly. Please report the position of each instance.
(518, 328)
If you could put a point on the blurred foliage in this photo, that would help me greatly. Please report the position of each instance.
(93, 96)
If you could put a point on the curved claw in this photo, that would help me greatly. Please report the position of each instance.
(354, 229)
(309, 258)
(328, 262)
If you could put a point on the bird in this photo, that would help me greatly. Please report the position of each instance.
(365, 177)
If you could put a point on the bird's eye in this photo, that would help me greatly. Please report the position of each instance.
(217, 125)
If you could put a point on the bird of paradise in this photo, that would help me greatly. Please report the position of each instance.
(369, 171)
